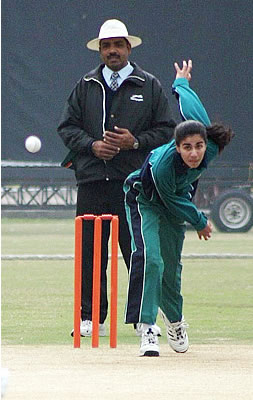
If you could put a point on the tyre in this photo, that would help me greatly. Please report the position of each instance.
(232, 211)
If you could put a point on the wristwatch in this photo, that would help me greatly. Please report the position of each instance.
(136, 144)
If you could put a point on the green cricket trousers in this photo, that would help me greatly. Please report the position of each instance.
(155, 266)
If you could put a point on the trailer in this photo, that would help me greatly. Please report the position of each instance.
(225, 193)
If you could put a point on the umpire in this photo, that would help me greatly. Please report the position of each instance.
(114, 116)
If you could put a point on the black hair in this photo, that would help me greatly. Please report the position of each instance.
(220, 134)
(127, 41)
(189, 128)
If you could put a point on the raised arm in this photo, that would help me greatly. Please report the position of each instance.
(189, 103)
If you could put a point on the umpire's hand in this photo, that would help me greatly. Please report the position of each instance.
(103, 150)
(121, 138)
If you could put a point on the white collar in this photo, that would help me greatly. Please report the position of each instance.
(123, 73)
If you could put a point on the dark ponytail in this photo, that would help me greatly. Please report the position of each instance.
(220, 135)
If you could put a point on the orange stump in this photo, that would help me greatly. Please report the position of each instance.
(96, 281)
(96, 277)
(114, 281)
(77, 280)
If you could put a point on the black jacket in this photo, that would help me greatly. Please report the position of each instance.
(139, 105)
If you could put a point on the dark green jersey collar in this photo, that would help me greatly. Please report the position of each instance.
(181, 168)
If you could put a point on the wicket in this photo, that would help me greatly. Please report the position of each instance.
(96, 277)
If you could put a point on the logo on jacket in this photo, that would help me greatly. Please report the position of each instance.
(136, 97)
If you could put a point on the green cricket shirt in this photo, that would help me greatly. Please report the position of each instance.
(164, 180)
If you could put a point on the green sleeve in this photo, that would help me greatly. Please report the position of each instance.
(192, 108)
(189, 103)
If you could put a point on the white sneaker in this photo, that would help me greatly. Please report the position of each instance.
(176, 334)
(138, 329)
(86, 329)
(149, 341)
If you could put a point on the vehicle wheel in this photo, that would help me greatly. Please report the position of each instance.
(232, 211)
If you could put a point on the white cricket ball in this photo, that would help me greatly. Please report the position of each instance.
(33, 144)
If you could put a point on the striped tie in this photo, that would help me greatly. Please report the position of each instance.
(114, 83)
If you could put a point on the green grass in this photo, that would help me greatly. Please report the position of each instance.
(37, 236)
(37, 295)
(44, 236)
(218, 300)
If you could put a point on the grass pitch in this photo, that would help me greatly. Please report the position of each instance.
(37, 295)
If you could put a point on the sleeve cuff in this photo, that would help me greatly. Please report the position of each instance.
(202, 222)
(89, 148)
(180, 82)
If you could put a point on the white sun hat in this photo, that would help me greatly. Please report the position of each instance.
(113, 28)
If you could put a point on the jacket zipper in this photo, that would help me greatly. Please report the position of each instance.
(104, 115)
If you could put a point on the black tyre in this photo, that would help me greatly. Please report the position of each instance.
(232, 211)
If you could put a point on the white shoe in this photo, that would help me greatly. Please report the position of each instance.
(86, 329)
(176, 334)
(138, 329)
(149, 341)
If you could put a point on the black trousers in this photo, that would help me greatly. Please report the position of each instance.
(102, 197)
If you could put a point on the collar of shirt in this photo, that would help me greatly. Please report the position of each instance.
(181, 168)
(123, 73)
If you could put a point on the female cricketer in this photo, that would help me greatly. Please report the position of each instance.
(158, 200)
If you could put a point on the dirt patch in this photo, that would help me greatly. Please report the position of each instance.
(63, 373)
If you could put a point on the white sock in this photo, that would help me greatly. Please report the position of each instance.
(146, 326)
